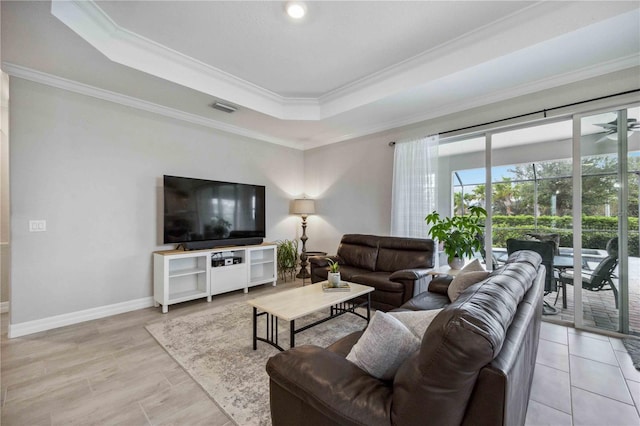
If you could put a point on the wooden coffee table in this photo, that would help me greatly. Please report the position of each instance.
(296, 303)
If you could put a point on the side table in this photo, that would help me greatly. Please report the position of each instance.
(314, 253)
(444, 270)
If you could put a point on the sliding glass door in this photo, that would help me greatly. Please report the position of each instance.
(608, 287)
(574, 181)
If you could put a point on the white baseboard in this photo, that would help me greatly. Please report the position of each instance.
(4, 307)
(30, 327)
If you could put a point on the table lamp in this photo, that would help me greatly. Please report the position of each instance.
(304, 207)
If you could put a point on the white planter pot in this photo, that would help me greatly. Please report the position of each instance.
(456, 263)
(333, 278)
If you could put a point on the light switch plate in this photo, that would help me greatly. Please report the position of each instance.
(37, 225)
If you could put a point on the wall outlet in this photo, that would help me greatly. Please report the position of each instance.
(37, 225)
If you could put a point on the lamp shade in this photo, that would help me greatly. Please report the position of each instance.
(303, 206)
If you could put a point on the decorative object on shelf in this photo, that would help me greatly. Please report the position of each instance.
(287, 258)
(333, 277)
(304, 207)
(458, 233)
(342, 286)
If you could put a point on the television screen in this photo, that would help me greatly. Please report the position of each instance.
(198, 210)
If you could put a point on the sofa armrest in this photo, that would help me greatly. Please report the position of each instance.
(440, 284)
(409, 274)
(328, 383)
(321, 261)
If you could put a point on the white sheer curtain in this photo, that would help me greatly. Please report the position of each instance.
(415, 171)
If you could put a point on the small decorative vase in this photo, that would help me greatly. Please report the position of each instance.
(333, 278)
(456, 262)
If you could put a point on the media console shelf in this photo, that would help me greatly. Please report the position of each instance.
(179, 276)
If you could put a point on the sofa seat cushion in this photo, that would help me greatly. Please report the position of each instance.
(379, 280)
(425, 301)
(348, 273)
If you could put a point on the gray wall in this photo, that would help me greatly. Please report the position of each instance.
(352, 184)
(352, 180)
(92, 169)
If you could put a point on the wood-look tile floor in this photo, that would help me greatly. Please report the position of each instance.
(106, 371)
(111, 371)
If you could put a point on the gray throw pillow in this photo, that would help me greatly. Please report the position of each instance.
(474, 266)
(416, 321)
(468, 276)
(383, 347)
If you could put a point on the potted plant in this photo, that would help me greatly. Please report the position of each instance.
(287, 258)
(333, 276)
(459, 234)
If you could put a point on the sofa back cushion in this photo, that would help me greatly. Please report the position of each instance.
(468, 334)
(396, 254)
(360, 251)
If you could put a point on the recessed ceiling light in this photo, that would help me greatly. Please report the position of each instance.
(296, 10)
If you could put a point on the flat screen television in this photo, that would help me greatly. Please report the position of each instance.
(200, 214)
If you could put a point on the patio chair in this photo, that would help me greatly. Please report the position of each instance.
(546, 250)
(601, 278)
(547, 237)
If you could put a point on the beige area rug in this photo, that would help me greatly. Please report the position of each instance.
(215, 348)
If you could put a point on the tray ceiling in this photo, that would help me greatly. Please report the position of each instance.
(348, 69)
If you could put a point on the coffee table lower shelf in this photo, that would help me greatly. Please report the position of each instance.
(271, 330)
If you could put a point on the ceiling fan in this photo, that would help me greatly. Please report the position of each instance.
(611, 129)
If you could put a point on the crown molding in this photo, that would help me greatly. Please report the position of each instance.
(118, 98)
(452, 108)
(483, 100)
(120, 45)
(125, 47)
(521, 90)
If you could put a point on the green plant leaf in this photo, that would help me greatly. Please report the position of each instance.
(460, 234)
(333, 265)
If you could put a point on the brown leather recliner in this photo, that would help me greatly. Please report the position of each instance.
(396, 267)
(475, 365)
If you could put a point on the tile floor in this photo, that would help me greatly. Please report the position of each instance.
(583, 378)
(111, 371)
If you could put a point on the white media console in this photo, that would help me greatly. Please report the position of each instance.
(179, 275)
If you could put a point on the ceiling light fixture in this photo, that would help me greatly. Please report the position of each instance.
(296, 10)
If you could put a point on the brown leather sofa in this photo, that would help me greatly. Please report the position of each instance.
(394, 266)
(475, 364)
